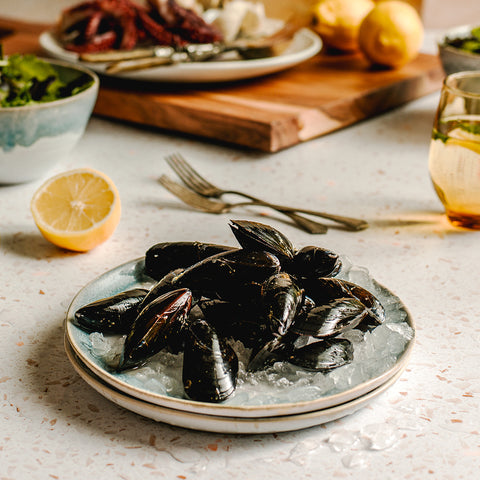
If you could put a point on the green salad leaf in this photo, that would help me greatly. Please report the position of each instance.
(476, 33)
(469, 43)
(26, 79)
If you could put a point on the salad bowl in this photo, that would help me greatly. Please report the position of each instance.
(35, 135)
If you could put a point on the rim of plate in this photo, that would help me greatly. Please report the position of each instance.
(131, 270)
(222, 424)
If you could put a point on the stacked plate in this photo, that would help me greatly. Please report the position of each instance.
(138, 394)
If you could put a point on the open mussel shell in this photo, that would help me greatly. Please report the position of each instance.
(282, 299)
(114, 314)
(258, 236)
(314, 262)
(157, 326)
(167, 256)
(330, 319)
(210, 366)
(323, 356)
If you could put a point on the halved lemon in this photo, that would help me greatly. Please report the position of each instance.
(77, 210)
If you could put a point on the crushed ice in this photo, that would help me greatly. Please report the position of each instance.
(374, 353)
(356, 447)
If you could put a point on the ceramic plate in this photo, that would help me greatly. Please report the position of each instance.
(304, 45)
(133, 383)
(220, 424)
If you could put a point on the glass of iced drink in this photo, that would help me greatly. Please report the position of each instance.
(454, 160)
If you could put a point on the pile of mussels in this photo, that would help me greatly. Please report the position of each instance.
(282, 303)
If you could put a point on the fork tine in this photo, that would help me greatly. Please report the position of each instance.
(188, 174)
(191, 198)
(175, 164)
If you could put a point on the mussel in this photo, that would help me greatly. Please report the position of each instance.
(330, 319)
(167, 256)
(258, 236)
(276, 349)
(323, 290)
(160, 324)
(114, 314)
(376, 311)
(282, 299)
(210, 366)
(314, 262)
(323, 356)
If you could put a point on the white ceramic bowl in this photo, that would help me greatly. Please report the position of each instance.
(33, 138)
(455, 59)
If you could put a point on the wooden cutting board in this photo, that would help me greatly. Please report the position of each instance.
(323, 94)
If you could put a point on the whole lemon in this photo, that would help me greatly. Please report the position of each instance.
(338, 21)
(391, 34)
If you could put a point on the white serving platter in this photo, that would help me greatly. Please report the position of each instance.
(305, 44)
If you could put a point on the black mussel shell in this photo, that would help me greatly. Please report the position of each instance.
(155, 327)
(258, 236)
(210, 366)
(234, 275)
(164, 285)
(282, 299)
(114, 314)
(330, 319)
(314, 262)
(376, 312)
(236, 322)
(323, 356)
(322, 290)
(276, 349)
(167, 256)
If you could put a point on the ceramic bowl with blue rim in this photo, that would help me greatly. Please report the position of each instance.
(35, 137)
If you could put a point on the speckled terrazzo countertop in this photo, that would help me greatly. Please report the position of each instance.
(427, 425)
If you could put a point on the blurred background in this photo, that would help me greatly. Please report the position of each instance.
(436, 14)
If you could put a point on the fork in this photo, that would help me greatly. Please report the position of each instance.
(217, 206)
(202, 186)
